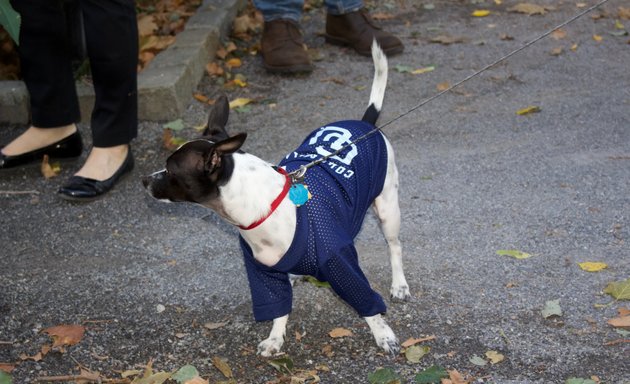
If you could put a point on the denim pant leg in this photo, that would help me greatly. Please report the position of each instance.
(341, 7)
(280, 9)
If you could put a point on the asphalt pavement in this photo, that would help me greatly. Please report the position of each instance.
(160, 283)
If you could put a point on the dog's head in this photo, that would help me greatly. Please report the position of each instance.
(196, 170)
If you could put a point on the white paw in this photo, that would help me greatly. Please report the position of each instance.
(389, 343)
(270, 346)
(400, 291)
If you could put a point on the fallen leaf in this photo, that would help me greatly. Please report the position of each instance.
(528, 110)
(222, 366)
(412, 341)
(88, 376)
(196, 380)
(433, 374)
(456, 377)
(239, 102)
(146, 25)
(49, 170)
(513, 253)
(556, 51)
(317, 283)
(212, 326)
(443, 86)
(620, 290)
(506, 37)
(283, 365)
(234, 63)
(592, 266)
(559, 34)
(574, 380)
(201, 98)
(214, 69)
(6, 367)
(420, 71)
(5, 378)
(529, 9)
(414, 353)
(552, 308)
(327, 350)
(624, 13)
(478, 361)
(574, 47)
(447, 39)
(403, 68)
(65, 335)
(480, 13)
(383, 376)
(620, 322)
(597, 38)
(155, 378)
(494, 357)
(175, 125)
(340, 332)
(382, 16)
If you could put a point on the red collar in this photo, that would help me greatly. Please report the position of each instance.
(275, 204)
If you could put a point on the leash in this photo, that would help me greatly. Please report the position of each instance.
(298, 175)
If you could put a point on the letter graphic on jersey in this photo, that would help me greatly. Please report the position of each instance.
(332, 139)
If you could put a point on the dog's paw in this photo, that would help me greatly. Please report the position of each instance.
(270, 346)
(400, 292)
(389, 344)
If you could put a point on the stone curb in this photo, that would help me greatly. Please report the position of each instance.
(166, 86)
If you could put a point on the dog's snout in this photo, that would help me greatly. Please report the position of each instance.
(145, 181)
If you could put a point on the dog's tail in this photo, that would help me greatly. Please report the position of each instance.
(378, 84)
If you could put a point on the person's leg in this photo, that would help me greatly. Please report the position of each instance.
(113, 61)
(348, 23)
(283, 9)
(282, 46)
(47, 72)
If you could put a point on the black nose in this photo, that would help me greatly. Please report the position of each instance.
(145, 181)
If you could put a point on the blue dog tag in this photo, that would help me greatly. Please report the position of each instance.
(299, 194)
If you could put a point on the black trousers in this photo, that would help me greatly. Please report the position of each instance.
(111, 34)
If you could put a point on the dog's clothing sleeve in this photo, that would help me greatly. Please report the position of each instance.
(343, 189)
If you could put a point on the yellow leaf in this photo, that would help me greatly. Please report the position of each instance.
(481, 13)
(420, 71)
(529, 9)
(222, 366)
(49, 170)
(234, 63)
(443, 86)
(239, 102)
(240, 82)
(597, 38)
(494, 357)
(528, 110)
(574, 47)
(618, 25)
(340, 332)
(592, 266)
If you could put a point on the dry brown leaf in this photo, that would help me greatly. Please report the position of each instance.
(234, 63)
(624, 13)
(506, 37)
(65, 335)
(327, 350)
(167, 140)
(623, 320)
(382, 16)
(6, 367)
(340, 332)
(200, 97)
(447, 39)
(214, 69)
(529, 9)
(146, 25)
(456, 377)
(559, 34)
(556, 51)
(212, 326)
(222, 366)
(413, 341)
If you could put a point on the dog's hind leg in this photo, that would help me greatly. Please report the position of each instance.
(272, 345)
(388, 211)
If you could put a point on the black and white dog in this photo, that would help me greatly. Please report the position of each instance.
(304, 227)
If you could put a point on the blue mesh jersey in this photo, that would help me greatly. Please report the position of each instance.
(342, 189)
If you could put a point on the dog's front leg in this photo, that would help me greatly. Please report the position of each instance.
(273, 343)
(383, 334)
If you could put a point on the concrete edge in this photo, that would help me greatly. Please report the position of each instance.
(166, 86)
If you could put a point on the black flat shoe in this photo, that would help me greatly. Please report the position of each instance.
(71, 146)
(79, 188)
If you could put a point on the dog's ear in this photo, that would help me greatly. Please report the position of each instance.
(218, 117)
(224, 147)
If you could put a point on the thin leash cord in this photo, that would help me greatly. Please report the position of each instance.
(299, 173)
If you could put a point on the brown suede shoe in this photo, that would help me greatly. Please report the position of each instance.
(283, 49)
(357, 30)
